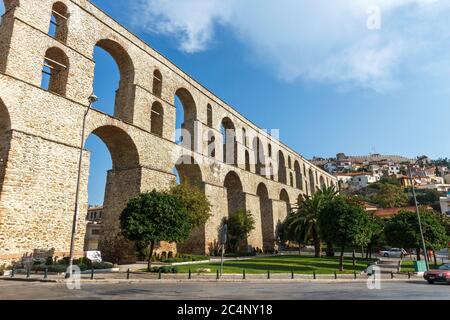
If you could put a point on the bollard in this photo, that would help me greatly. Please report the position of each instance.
(159, 274)
(13, 271)
(409, 275)
(128, 274)
(243, 274)
(28, 272)
(335, 275)
(46, 273)
(314, 275)
(92, 273)
(354, 275)
(268, 274)
(190, 274)
(392, 275)
(217, 274)
(292, 274)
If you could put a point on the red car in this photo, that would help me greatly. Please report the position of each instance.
(438, 275)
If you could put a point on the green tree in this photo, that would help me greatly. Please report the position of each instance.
(343, 224)
(390, 196)
(154, 217)
(302, 225)
(239, 224)
(376, 233)
(195, 201)
(403, 231)
(429, 197)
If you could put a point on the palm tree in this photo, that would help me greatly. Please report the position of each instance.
(302, 224)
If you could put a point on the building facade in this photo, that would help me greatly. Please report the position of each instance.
(41, 124)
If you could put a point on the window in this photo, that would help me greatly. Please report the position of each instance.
(209, 116)
(55, 71)
(157, 119)
(58, 22)
(270, 150)
(157, 83)
(95, 232)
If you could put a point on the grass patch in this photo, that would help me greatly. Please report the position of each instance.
(408, 266)
(283, 264)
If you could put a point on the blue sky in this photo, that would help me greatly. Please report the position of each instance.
(330, 75)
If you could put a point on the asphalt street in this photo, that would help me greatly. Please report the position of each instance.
(223, 291)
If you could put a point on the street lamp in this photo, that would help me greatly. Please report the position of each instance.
(92, 99)
(417, 211)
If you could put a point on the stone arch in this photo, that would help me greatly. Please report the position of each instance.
(55, 71)
(298, 175)
(312, 182)
(285, 198)
(266, 211)
(189, 117)
(281, 168)
(229, 141)
(235, 193)
(124, 97)
(322, 182)
(58, 23)
(5, 140)
(157, 83)
(260, 157)
(157, 119)
(189, 171)
(123, 150)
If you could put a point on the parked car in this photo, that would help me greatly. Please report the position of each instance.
(394, 253)
(442, 274)
(94, 256)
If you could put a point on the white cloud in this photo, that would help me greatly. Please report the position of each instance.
(320, 40)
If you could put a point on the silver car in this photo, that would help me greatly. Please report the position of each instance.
(394, 253)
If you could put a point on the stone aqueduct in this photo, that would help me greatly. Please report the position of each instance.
(40, 134)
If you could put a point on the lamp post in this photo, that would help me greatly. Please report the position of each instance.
(92, 99)
(418, 214)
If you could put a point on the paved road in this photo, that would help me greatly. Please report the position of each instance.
(218, 291)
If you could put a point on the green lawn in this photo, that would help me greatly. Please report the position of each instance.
(282, 264)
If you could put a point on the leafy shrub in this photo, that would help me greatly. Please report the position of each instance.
(102, 265)
(49, 261)
(164, 269)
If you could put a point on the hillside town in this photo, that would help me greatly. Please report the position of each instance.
(357, 175)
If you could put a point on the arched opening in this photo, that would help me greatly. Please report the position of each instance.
(291, 179)
(229, 141)
(235, 193)
(186, 114)
(211, 145)
(244, 137)
(272, 175)
(322, 183)
(59, 22)
(247, 161)
(5, 141)
(157, 83)
(260, 157)
(157, 119)
(55, 71)
(298, 176)
(189, 172)
(209, 116)
(285, 198)
(114, 79)
(270, 150)
(289, 162)
(312, 182)
(300, 199)
(114, 178)
(267, 223)
(281, 168)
